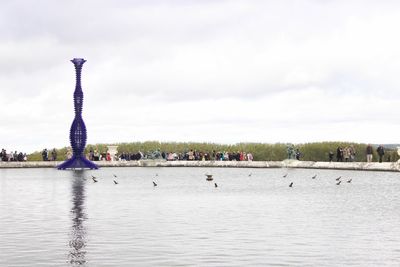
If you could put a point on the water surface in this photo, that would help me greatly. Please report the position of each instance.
(253, 218)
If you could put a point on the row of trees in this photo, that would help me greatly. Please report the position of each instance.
(261, 151)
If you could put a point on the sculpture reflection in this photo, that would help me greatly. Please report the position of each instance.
(77, 243)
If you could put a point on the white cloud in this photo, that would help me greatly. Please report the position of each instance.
(217, 71)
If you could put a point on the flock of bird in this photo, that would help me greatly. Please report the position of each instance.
(338, 180)
(94, 178)
(209, 178)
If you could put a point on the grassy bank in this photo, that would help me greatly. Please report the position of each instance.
(261, 151)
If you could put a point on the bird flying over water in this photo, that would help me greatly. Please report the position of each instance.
(284, 176)
(291, 184)
(94, 179)
(115, 182)
(154, 184)
(215, 184)
(337, 179)
(250, 174)
(315, 176)
(349, 181)
(114, 175)
(338, 183)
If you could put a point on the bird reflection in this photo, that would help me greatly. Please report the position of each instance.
(78, 232)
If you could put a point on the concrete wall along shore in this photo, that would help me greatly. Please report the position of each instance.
(360, 166)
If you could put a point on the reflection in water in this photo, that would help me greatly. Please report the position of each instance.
(78, 234)
(257, 221)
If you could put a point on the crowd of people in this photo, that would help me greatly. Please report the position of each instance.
(293, 152)
(343, 154)
(348, 154)
(12, 156)
(95, 155)
(380, 151)
(49, 155)
(189, 155)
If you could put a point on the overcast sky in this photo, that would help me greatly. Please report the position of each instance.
(205, 71)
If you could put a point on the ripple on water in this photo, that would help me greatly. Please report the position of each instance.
(53, 218)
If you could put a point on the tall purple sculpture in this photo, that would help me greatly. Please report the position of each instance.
(77, 135)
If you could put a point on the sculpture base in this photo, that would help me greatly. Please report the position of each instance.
(77, 163)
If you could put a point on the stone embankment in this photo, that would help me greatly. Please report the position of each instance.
(360, 166)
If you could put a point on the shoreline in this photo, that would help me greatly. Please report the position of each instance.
(356, 166)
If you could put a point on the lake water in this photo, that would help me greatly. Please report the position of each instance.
(62, 218)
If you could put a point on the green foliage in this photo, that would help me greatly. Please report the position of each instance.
(261, 151)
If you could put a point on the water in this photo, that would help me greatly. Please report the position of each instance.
(63, 218)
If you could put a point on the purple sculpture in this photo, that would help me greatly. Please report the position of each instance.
(77, 135)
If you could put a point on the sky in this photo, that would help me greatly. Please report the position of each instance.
(200, 71)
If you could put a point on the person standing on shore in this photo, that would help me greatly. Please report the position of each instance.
(369, 153)
(352, 151)
(339, 154)
(298, 154)
(54, 155)
(191, 155)
(330, 156)
(44, 155)
(346, 154)
(381, 152)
